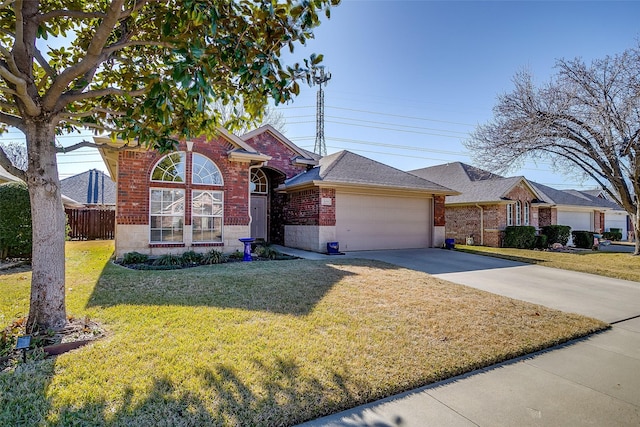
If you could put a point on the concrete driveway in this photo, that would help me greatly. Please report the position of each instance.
(594, 381)
(601, 297)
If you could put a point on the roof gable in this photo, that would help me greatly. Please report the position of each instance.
(475, 185)
(90, 187)
(347, 168)
(297, 151)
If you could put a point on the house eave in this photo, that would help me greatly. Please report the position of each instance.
(363, 188)
(242, 156)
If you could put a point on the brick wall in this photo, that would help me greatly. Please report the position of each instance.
(134, 171)
(464, 221)
(439, 217)
(281, 155)
(547, 216)
(327, 211)
(304, 207)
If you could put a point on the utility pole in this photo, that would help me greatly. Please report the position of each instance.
(320, 78)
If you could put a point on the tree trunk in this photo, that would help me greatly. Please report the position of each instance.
(47, 308)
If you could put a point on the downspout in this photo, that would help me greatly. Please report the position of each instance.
(481, 224)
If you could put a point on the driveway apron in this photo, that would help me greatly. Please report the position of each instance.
(593, 381)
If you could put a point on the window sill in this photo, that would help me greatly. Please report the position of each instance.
(166, 245)
(202, 245)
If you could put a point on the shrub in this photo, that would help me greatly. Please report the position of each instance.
(521, 237)
(556, 234)
(191, 258)
(213, 257)
(540, 242)
(168, 260)
(236, 255)
(612, 235)
(582, 239)
(266, 251)
(134, 258)
(15, 221)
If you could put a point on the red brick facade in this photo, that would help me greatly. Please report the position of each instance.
(439, 212)
(465, 221)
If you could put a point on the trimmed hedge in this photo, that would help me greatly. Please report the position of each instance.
(541, 242)
(612, 235)
(556, 234)
(15, 221)
(519, 236)
(582, 239)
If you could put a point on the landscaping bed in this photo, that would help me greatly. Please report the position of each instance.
(264, 343)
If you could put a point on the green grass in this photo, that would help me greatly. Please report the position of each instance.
(262, 343)
(610, 264)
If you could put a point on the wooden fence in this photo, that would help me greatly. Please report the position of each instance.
(91, 224)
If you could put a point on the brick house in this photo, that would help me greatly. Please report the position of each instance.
(210, 193)
(488, 203)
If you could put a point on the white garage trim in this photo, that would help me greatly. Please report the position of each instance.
(375, 221)
(577, 220)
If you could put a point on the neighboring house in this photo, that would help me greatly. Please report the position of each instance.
(584, 210)
(92, 188)
(488, 203)
(212, 192)
(5, 176)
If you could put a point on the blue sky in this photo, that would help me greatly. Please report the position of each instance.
(411, 79)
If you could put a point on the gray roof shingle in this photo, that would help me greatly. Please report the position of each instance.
(474, 184)
(92, 187)
(345, 167)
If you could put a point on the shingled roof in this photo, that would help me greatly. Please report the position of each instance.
(574, 198)
(92, 187)
(475, 185)
(347, 168)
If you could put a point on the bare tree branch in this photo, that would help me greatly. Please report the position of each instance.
(66, 13)
(21, 91)
(73, 97)
(93, 57)
(11, 120)
(119, 46)
(89, 144)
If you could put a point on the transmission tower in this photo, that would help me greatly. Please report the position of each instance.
(320, 78)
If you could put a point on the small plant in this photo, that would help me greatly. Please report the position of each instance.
(236, 255)
(213, 257)
(168, 260)
(134, 258)
(191, 258)
(612, 235)
(10, 334)
(266, 251)
(540, 242)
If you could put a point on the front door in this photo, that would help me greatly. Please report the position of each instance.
(259, 216)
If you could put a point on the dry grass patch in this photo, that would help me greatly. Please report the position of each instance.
(269, 343)
(610, 264)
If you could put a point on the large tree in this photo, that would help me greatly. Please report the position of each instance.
(139, 69)
(585, 120)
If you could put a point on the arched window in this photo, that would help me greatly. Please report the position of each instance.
(204, 171)
(258, 181)
(518, 213)
(509, 214)
(527, 209)
(167, 204)
(170, 168)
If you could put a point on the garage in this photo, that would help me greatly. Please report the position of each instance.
(370, 221)
(578, 221)
(616, 219)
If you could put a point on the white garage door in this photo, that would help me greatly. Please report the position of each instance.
(367, 222)
(616, 220)
(578, 221)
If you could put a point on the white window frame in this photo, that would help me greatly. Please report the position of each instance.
(194, 216)
(183, 158)
(161, 215)
(527, 212)
(193, 171)
(509, 214)
(518, 213)
(262, 181)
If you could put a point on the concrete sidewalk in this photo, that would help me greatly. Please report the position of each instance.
(593, 381)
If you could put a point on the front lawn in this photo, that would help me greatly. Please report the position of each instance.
(261, 343)
(611, 264)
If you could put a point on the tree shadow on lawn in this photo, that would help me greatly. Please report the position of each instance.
(282, 287)
(281, 396)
